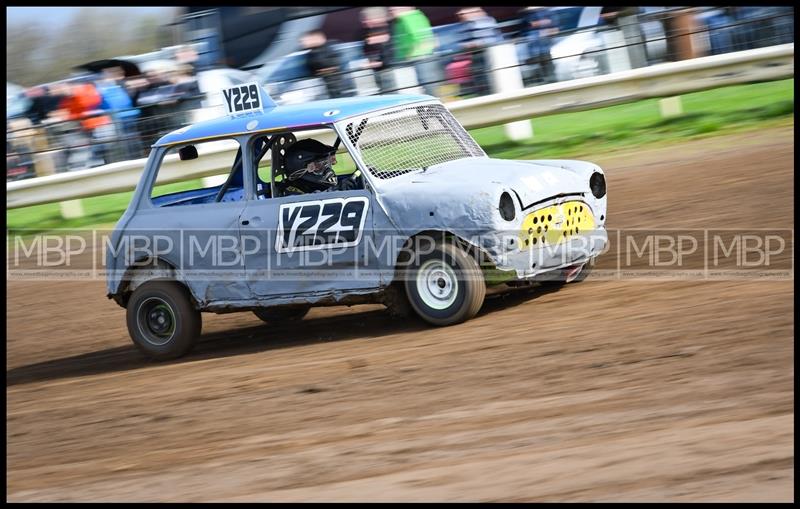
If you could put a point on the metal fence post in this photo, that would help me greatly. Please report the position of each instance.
(504, 76)
(71, 209)
(634, 40)
(617, 59)
(43, 160)
(364, 82)
(670, 106)
(404, 80)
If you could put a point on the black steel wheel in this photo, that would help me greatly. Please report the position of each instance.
(162, 321)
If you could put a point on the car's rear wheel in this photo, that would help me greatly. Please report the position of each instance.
(445, 286)
(282, 314)
(162, 321)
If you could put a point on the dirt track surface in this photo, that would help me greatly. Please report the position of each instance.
(604, 390)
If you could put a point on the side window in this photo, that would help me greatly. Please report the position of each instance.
(303, 166)
(344, 166)
(344, 163)
(177, 186)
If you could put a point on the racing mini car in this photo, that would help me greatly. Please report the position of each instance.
(422, 220)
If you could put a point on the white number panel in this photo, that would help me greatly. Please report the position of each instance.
(321, 224)
(243, 98)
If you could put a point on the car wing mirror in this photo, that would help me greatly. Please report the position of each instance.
(188, 153)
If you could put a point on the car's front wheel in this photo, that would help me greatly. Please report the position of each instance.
(162, 321)
(445, 286)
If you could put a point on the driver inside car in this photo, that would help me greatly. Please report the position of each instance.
(309, 169)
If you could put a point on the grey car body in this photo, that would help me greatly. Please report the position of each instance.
(422, 174)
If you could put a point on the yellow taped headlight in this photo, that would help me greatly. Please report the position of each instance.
(555, 224)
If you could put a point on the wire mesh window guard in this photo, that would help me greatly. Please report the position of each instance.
(410, 139)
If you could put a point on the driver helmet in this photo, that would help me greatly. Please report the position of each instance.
(309, 156)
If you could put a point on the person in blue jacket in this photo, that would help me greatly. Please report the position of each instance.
(118, 103)
(539, 25)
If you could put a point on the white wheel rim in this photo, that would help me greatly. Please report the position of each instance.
(437, 284)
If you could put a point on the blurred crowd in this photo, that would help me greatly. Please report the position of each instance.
(118, 109)
(455, 54)
(109, 114)
(404, 36)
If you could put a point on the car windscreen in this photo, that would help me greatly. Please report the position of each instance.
(410, 139)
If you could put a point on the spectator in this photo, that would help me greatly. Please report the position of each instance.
(375, 33)
(322, 61)
(159, 89)
(411, 33)
(538, 31)
(186, 91)
(413, 41)
(119, 105)
(609, 16)
(757, 27)
(187, 56)
(43, 107)
(158, 101)
(478, 30)
(135, 85)
(184, 81)
(61, 132)
(20, 140)
(83, 105)
(43, 103)
(720, 28)
(459, 72)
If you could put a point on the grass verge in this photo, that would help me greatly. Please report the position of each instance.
(562, 136)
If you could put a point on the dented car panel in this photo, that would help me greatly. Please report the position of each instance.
(558, 220)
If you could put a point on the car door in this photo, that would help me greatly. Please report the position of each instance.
(309, 243)
(191, 230)
(316, 243)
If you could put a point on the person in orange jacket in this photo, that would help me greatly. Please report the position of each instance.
(83, 105)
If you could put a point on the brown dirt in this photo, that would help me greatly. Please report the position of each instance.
(606, 390)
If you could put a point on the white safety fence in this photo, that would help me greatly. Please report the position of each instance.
(661, 80)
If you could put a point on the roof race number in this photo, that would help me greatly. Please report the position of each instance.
(243, 98)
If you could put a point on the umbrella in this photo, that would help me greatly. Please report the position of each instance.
(128, 67)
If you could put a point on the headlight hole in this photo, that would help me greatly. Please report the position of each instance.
(507, 209)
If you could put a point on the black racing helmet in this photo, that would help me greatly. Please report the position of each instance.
(302, 152)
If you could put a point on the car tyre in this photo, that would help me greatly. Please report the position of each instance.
(282, 314)
(162, 321)
(445, 286)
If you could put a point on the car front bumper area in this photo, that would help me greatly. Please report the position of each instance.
(540, 260)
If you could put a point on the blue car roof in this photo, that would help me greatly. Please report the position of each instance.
(315, 113)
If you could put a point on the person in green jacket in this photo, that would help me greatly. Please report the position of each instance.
(413, 42)
(412, 36)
